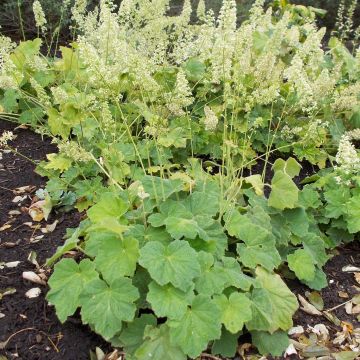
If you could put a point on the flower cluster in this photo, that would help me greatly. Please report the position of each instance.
(5, 137)
(347, 157)
(40, 19)
(211, 119)
(74, 151)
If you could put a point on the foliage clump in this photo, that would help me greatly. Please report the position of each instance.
(157, 121)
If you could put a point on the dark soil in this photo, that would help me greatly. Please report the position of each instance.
(35, 330)
(338, 281)
(31, 324)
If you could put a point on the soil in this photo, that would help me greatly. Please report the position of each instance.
(31, 325)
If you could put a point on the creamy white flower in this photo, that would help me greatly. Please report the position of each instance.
(40, 19)
(211, 119)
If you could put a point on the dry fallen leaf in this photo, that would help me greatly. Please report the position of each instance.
(350, 268)
(8, 291)
(290, 350)
(19, 199)
(296, 330)
(14, 212)
(343, 294)
(40, 210)
(12, 264)
(356, 309)
(2, 315)
(49, 228)
(320, 330)
(33, 293)
(24, 189)
(32, 258)
(308, 308)
(348, 308)
(5, 227)
(36, 239)
(357, 277)
(315, 299)
(31, 276)
(331, 317)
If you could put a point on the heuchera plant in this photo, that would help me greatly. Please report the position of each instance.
(156, 120)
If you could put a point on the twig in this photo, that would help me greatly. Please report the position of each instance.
(4, 343)
(209, 356)
(337, 306)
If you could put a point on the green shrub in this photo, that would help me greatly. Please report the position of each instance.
(156, 119)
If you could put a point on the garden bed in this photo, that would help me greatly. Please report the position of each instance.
(33, 330)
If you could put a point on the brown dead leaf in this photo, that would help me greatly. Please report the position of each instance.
(348, 308)
(40, 210)
(331, 317)
(357, 277)
(31, 276)
(356, 309)
(307, 307)
(296, 330)
(36, 239)
(33, 293)
(19, 199)
(315, 299)
(343, 294)
(7, 291)
(5, 227)
(350, 268)
(14, 212)
(243, 348)
(24, 189)
(49, 228)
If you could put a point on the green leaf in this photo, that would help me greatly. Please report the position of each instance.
(309, 198)
(168, 301)
(273, 304)
(256, 182)
(10, 100)
(131, 337)
(212, 278)
(353, 215)
(66, 284)
(109, 206)
(117, 257)
(284, 192)
(200, 324)
(180, 221)
(315, 246)
(319, 282)
(161, 188)
(274, 344)
(235, 277)
(235, 311)
(226, 345)
(57, 162)
(106, 306)
(290, 166)
(302, 264)
(259, 247)
(297, 220)
(157, 345)
(336, 198)
(175, 137)
(194, 69)
(175, 263)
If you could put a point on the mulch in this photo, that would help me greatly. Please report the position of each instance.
(33, 330)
